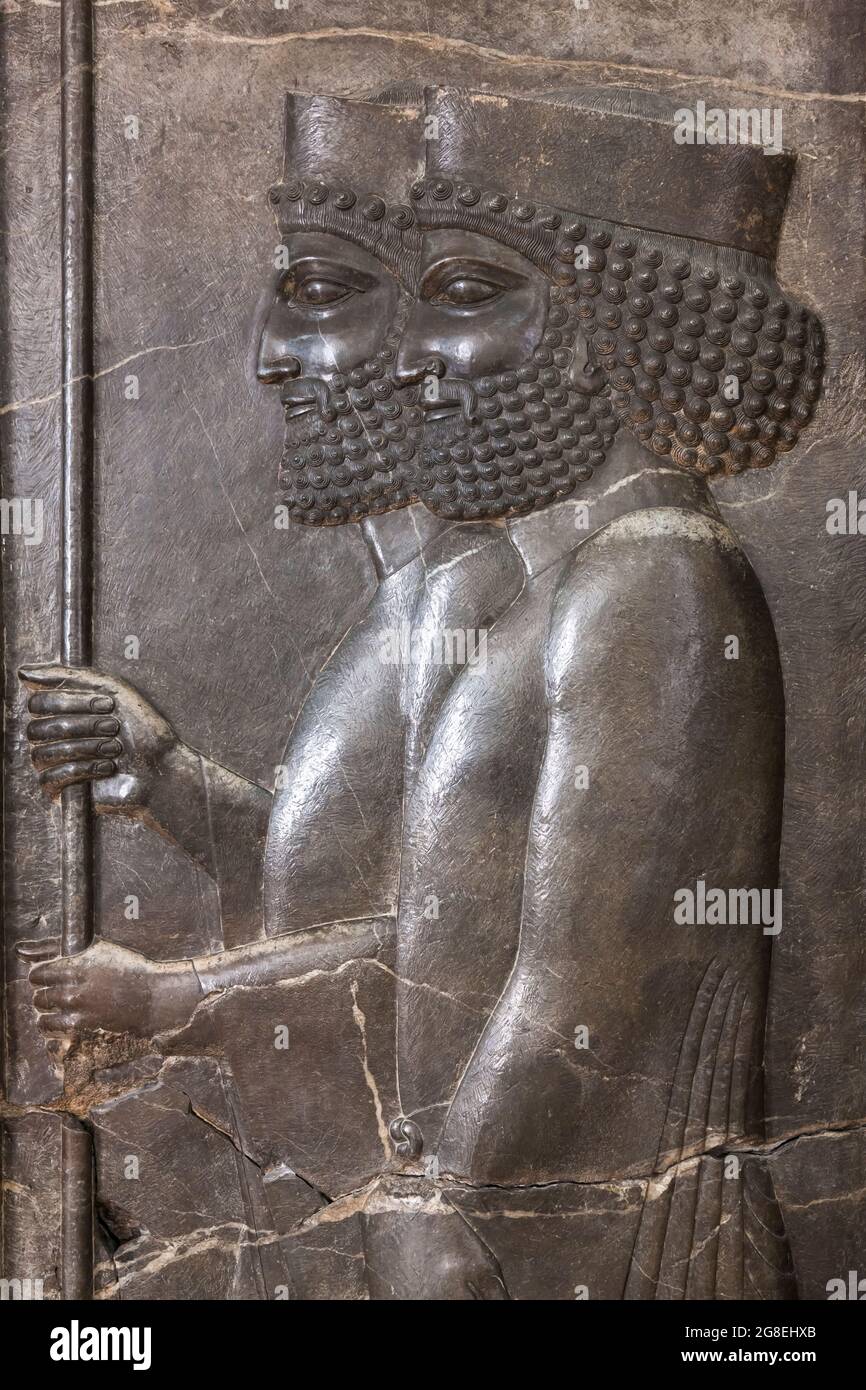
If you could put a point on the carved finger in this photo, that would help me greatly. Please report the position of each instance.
(47, 1001)
(71, 726)
(54, 779)
(69, 702)
(52, 972)
(57, 754)
(66, 1022)
(57, 975)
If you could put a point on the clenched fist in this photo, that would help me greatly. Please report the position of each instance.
(108, 989)
(89, 727)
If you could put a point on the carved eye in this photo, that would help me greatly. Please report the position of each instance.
(318, 292)
(467, 290)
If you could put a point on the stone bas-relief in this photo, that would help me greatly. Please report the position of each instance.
(459, 1041)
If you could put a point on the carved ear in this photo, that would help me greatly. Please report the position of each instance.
(585, 374)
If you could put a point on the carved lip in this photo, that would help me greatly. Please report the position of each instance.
(293, 410)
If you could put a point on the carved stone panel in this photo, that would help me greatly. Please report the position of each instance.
(433, 656)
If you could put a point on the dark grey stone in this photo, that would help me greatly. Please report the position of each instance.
(388, 999)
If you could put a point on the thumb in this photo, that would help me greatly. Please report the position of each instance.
(52, 676)
(44, 948)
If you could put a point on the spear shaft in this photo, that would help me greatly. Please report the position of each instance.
(76, 141)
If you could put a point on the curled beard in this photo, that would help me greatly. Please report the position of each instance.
(520, 439)
(353, 454)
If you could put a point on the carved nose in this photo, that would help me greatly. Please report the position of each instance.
(410, 369)
(274, 364)
(270, 371)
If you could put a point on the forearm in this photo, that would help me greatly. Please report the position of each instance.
(118, 991)
(176, 988)
(217, 818)
(177, 804)
(289, 957)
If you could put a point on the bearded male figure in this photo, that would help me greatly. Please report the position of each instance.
(472, 861)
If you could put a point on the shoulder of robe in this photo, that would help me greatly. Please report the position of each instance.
(472, 556)
(665, 587)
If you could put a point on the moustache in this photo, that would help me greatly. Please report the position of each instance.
(308, 391)
(460, 392)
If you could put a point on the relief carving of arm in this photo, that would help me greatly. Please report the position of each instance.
(90, 727)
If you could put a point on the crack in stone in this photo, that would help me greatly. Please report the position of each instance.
(103, 371)
(171, 1251)
(441, 43)
(361, 1024)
